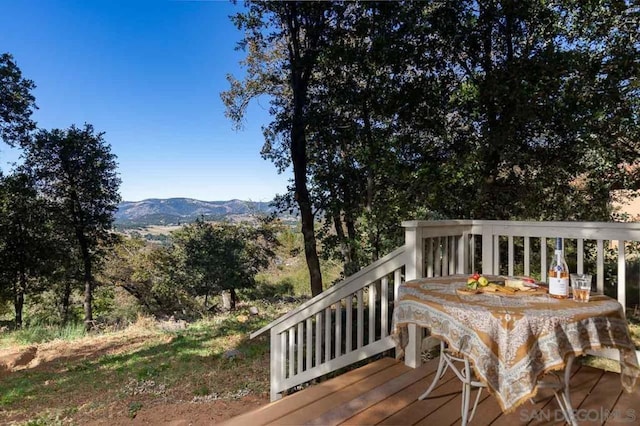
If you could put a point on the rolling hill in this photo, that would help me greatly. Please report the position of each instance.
(169, 211)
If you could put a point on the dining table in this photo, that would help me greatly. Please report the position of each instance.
(511, 340)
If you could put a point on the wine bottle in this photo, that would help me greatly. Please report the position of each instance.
(559, 273)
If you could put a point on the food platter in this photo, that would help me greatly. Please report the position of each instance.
(505, 286)
(518, 293)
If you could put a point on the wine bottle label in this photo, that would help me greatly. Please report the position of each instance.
(558, 286)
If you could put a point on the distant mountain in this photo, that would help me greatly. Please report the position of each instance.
(180, 210)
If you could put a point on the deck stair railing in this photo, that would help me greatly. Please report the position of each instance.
(343, 325)
(351, 321)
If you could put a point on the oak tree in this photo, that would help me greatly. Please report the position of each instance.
(17, 103)
(77, 173)
(283, 40)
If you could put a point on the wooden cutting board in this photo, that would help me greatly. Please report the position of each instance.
(517, 293)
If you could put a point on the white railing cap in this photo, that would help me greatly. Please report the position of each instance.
(429, 223)
(516, 223)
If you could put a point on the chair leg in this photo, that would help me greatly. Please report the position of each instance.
(475, 404)
(466, 399)
(442, 368)
(465, 376)
(562, 394)
(566, 396)
(467, 385)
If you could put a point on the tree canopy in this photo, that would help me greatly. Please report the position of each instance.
(285, 39)
(17, 103)
(28, 246)
(497, 109)
(223, 257)
(76, 171)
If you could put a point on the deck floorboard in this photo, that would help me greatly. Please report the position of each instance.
(385, 392)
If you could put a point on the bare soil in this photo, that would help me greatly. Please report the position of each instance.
(176, 407)
(178, 414)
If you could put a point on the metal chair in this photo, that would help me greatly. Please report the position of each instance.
(465, 375)
(469, 382)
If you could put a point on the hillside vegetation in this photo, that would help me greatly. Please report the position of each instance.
(149, 368)
(146, 370)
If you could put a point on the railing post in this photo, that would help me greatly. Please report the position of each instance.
(622, 274)
(462, 253)
(487, 249)
(414, 244)
(277, 365)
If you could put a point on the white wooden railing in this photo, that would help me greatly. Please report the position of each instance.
(345, 324)
(351, 321)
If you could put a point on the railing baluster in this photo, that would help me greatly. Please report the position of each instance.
(462, 253)
(384, 306)
(600, 265)
(543, 259)
(349, 331)
(452, 255)
(318, 345)
(496, 254)
(580, 256)
(397, 277)
(327, 334)
(622, 274)
(527, 256)
(430, 258)
(360, 319)
(338, 343)
(438, 257)
(292, 353)
(283, 351)
(511, 257)
(445, 257)
(472, 252)
(372, 313)
(300, 339)
(309, 343)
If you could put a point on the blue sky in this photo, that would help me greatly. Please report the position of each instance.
(149, 75)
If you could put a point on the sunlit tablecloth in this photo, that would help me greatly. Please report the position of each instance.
(512, 341)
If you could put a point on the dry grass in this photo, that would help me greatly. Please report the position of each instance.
(115, 375)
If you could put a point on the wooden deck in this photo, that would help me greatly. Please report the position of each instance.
(385, 392)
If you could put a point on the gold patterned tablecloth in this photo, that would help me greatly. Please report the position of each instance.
(512, 341)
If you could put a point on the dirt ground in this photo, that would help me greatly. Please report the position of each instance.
(178, 410)
(181, 414)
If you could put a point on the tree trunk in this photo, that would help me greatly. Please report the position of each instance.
(491, 159)
(18, 300)
(347, 244)
(351, 234)
(298, 155)
(234, 299)
(18, 294)
(66, 301)
(372, 228)
(18, 304)
(300, 68)
(342, 241)
(88, 281)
